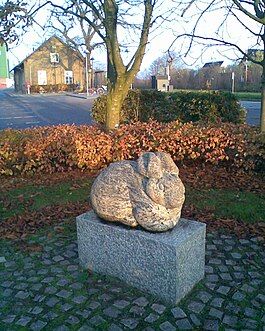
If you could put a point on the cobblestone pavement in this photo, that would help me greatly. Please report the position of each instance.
(47, 290)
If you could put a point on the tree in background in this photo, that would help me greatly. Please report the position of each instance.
(15, 17)
(251, 16)
(183, 78)
(247, 76)
(252, 72)
(67, 26)
(159, 67)
(143, 80)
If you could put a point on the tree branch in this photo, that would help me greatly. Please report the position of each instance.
(80, 16)
(221, 43)
(249, 14)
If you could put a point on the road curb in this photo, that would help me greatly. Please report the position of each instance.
(10, 94)
(81, 96)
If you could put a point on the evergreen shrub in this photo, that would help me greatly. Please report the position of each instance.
(185, 106)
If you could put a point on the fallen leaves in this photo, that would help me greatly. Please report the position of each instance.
(207, 176)
(20, 226)
(199, 177)
(45, 179)
(26, 247)
(233, 226)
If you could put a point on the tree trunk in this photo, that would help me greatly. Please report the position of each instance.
(120, 76)
(262, 110)
(115, 99)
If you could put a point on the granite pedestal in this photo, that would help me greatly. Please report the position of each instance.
(167, 265)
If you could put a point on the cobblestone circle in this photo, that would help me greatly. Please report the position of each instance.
(48, 290)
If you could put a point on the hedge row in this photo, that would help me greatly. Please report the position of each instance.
(186, 106)
(52, 88)
(64, 148)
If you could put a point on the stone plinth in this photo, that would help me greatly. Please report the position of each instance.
(167, 265)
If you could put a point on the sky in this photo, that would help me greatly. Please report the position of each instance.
(159, 41)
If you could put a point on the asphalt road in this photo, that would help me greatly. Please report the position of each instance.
(24, 111)
(253, 111)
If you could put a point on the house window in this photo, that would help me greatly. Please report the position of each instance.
(54, 57)
(68, 77)
(42, 77)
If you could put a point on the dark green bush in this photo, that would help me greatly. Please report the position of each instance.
(139, 105)
(205, 106)
(142, 105)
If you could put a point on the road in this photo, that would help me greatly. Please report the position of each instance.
(253, 111)
(24, 111)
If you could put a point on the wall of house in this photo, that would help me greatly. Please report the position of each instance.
(4, 69)
(55, 73)
(162, 84)
(19, 79)
(100, 78)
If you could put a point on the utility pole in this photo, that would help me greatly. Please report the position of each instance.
(233, 82)
(92, 74)
(86, 77)
(246, 72)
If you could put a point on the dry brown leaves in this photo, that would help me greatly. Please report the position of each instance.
(45, 179)
(206, 177)
(20, 226)
(196, 176)
(232, 226)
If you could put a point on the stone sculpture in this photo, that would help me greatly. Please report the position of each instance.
(147, 192)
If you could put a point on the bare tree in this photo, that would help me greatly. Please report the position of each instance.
(159, 65)
(133, 16)
(16, 16)
(66, 26)
(250, 14)
(143, 80)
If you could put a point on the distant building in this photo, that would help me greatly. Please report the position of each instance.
(4, 67)
(161, 83)
(52, 66)
(215, 64)
(99, 78)
(211, 72)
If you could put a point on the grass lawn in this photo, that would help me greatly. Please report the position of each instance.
(251, 96)
(31, 198)
(248, 207)
(223, 203)
(255, 96)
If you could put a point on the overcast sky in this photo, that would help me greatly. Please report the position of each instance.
(160, 40)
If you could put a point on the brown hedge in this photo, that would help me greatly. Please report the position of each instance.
(63, 148)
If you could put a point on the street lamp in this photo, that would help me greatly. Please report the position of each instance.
(168, 69)
(246, 71)
(86, 75)
(91, 61)
(233, 82)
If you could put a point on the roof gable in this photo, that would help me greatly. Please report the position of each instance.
(46, 43)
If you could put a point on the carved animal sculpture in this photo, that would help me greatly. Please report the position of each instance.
(147, 192)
